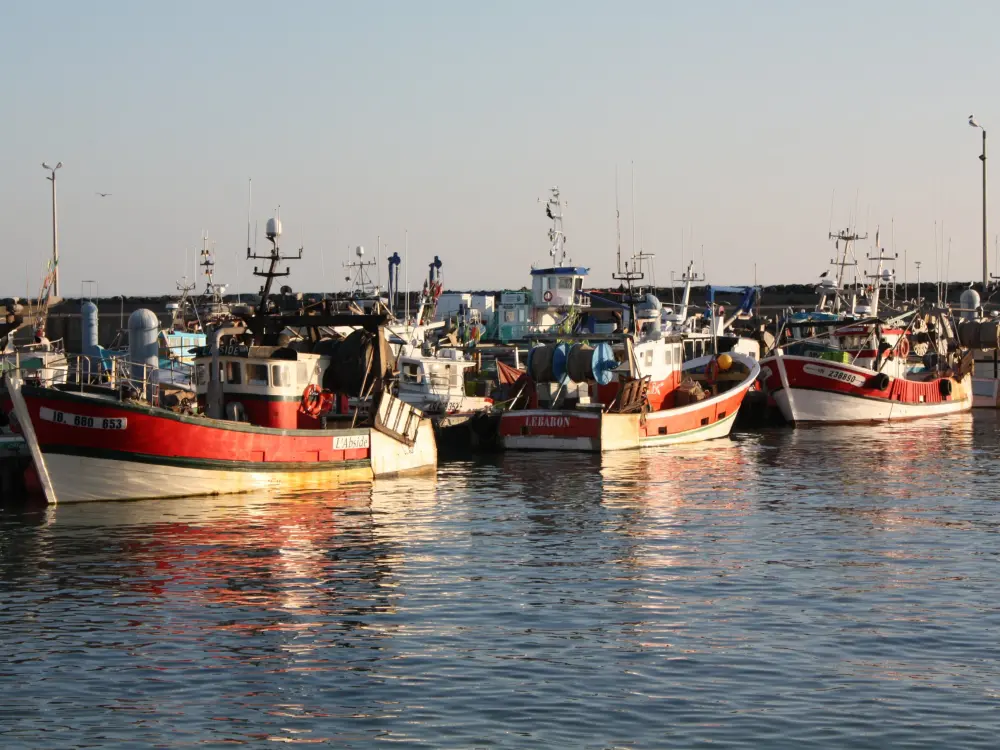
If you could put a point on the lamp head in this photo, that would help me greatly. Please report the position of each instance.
(973, 123)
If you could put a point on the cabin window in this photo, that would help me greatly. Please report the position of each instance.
(280, 376)
(649, 358)
(509, 316)
(688, 350)
(698, 349)
(411, 372)
(234, 373)
(302, 373)
(579, 283)
(666, 357)
(565, 283)
(256, 374)
(200, 375)
(550, 282)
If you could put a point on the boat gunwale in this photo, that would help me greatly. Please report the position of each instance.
(34, 391)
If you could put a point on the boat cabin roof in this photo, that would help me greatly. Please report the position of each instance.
(282, 353)
(561, 271)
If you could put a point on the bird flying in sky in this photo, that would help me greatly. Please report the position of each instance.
(104, 195)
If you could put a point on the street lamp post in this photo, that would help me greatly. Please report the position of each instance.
(986, 270)
(55, 228)
(917, 264)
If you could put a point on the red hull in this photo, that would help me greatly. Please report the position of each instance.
(159, 436)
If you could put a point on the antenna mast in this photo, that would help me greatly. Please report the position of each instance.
(360, 276)
(272, 231)
(845, 236)
(553, 209)
(618, 220)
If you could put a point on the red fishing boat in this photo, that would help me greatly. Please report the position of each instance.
(272, 395)
(629, 390)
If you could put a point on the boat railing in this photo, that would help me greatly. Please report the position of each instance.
(34, 369)
(137, 380)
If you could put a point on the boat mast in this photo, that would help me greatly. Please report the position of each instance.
(618, 222)
(554, 210)
(877, 276)
(846, 237)
(272, 231)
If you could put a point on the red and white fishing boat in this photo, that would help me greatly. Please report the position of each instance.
(843, 387)
(274, 393)
(631, 390)
(869, 370)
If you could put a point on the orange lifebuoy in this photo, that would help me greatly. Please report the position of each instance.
(315, 401)
(712, 371)
(903, 347)
(547, 296)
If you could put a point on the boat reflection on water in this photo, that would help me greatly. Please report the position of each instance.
(231, 565)
(665, 478)
(875, 472)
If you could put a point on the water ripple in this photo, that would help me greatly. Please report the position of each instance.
(831, 586)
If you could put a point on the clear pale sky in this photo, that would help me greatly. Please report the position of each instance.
(449, 119)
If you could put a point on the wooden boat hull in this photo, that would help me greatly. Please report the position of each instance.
(808, 390)
(87, 448)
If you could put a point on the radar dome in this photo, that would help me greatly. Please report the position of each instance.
(273, 229)
(359, 250)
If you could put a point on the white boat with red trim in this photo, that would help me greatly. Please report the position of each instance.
(271, 413)
(865, 372)
(626, 392)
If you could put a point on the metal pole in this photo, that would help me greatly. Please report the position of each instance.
(986, 269)
(55, 229)
(918, 281)
(55, 240)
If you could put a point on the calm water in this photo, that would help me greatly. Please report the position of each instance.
(833, 586)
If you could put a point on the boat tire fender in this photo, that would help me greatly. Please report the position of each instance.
(944, 385)
(235, 412)
(880, 382)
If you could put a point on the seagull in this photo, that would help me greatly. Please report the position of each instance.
(823, 275)
(103, 195)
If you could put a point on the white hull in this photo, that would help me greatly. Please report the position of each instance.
(77, 479)
(800, 406)
(551, 443)
(985, 393)
(714, 431)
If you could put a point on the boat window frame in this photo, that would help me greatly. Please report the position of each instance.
(280, 376)
(410, 373)
(257, 381)
(233, 372)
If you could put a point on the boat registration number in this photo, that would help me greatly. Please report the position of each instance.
(348, 442)
(78, 420)
(834, 374)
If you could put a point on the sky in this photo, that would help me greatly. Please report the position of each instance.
(752, 129)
